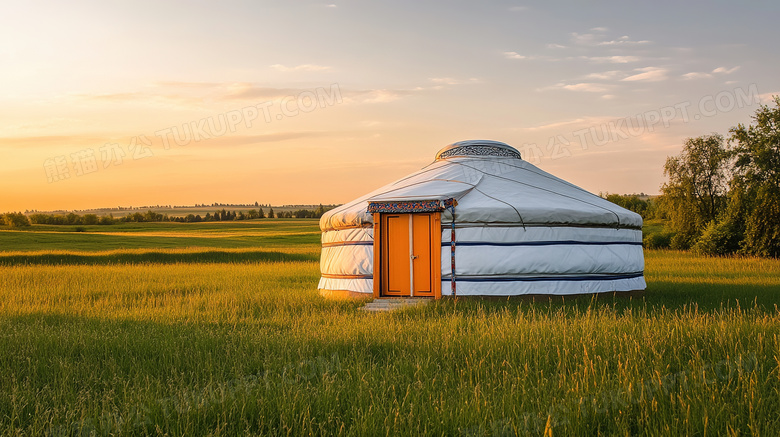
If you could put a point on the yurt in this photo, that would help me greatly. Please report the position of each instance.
(480, 221)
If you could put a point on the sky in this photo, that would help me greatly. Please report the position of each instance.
(106, 104)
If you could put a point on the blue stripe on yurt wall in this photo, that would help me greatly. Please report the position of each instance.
(542, 243)
(546, 278)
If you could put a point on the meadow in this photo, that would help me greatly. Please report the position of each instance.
(218, 329)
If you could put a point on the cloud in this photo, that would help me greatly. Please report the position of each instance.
(586, 87)
(302, 67)
(195, 93)
(608, 96)
(584, 39)
(582, 87)
(453, 81)
(648, 74)
(590, 39)
(623, 40)
(513, 55)
(696, 75)
(332, 5)
(376, 96)
(724, 70)
(558, 125)
(617, 59)
(55, 141)
(604, 75)
(249, 91)
(241, 93)
(246, 140)
(720, 70)
(555, 46)
(255, 93)
(180, 84)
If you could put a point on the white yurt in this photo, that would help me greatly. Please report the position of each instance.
(480, 221)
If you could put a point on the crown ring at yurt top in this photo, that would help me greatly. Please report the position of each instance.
(478, 148)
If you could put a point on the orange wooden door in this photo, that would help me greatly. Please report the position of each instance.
(407, 255)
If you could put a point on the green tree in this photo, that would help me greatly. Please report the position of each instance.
(271, 213)
(90, 219)
(40, 219)
(696, 190)
(260, 213)
(107, 219)
(756, 181)
(73, 219)
(15, 220)
(631, 202)
(151, 216)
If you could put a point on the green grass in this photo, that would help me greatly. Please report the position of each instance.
(235, 340)
(653, 226)
(276, 233)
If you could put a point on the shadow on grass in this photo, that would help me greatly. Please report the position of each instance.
(157, 257)
(660, 295)
(712, 296)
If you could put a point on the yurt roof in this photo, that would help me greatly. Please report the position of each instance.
(490, 184)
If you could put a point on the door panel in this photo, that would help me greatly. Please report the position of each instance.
(421, 225)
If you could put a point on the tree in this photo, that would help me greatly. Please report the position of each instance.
(107, 219)
(271, 213)
(303, 213)
(696, 191)
(15, 219)
(260, 213)
(90, 219)
(631, 202)
(73, 219)
(40, 219)
(756, 181)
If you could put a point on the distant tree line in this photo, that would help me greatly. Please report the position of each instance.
(647, 208)
(18, 219)
(723, 194)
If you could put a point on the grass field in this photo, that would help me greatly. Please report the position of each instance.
(217, 329)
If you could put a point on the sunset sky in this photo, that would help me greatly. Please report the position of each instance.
(143, 103)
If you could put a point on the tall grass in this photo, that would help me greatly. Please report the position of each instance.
(247, 346)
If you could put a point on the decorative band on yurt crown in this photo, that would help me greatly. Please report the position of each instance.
(478, 148)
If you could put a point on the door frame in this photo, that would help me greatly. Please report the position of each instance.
(435, 242)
